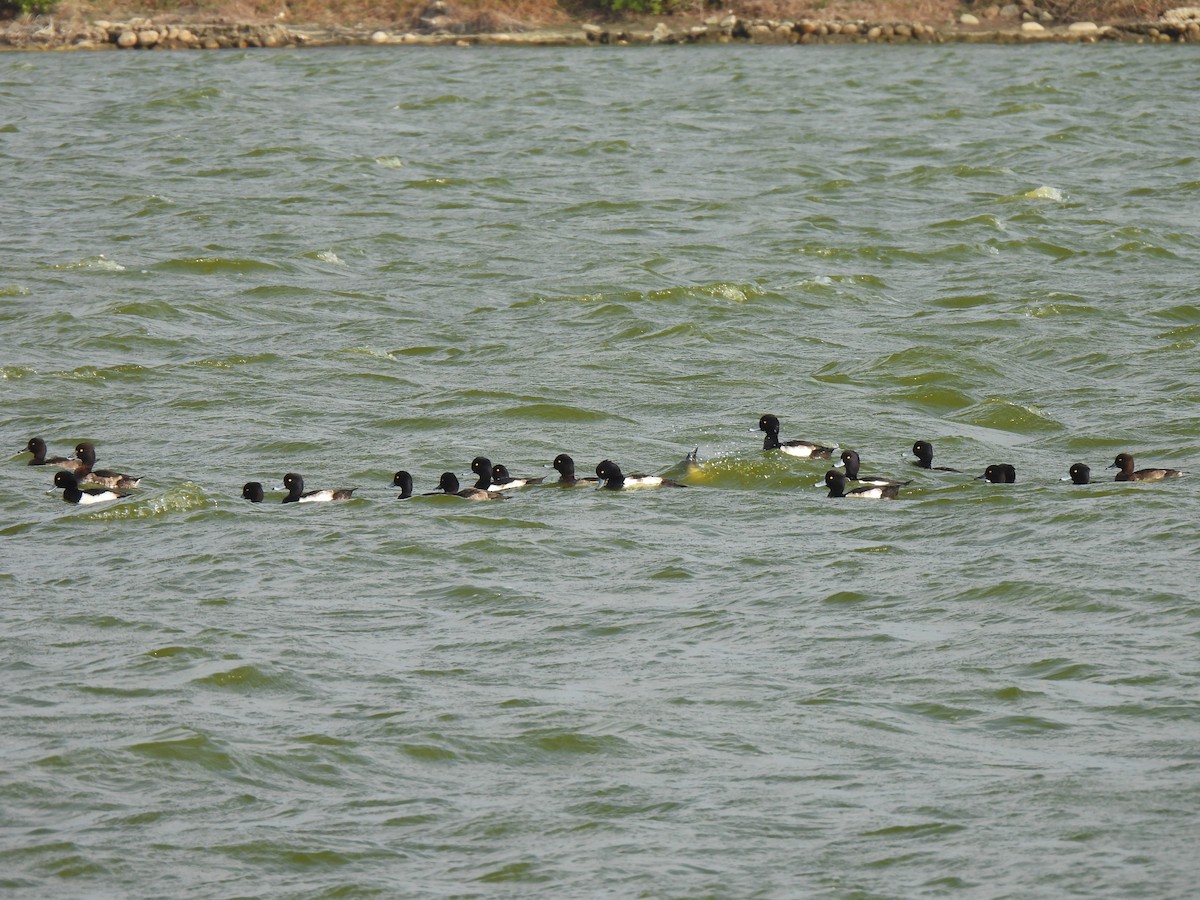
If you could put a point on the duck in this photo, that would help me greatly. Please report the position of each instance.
(502, 481)
(403, 480)
(252, 491)
(1124, 462)
(37, 447)
(851, 460)
(85, 452)
(923, 451)
(565, 467)
(448, 484)
(611, 478)
(1079, 473)
(296, 494)
(72, 493)
(836, 482)
(1000, 473)
(802, 449)
(482, 467)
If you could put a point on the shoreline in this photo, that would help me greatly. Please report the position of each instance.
(162, 33)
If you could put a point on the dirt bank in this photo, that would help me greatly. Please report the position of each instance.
(1022, 22)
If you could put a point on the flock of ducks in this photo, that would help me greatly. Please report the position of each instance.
(81, 482)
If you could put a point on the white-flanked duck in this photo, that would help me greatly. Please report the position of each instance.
(611, 478)
(803, 449)
(294, 484)
(72, 493)
(836, 482)
(502, 481)
(851, 461)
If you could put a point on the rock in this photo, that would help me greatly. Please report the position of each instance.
(1083, 28)
(147, 38)
(1181, 15)
(1032, 28)
(1010, 11)
(379, 37)
(127, 39)
(968, 19)
(661, 34)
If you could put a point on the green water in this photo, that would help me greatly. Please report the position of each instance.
(224, 267)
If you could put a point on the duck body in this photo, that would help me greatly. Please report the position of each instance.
(72, 493)
(836, 482)
(86, 453)
(1124, 463)
(294, 484)
(37, 447)
(802, 449)
(923, 451)
(448, 484)
(502, 481)
(565, 467)
(851, 460)
(611, 478)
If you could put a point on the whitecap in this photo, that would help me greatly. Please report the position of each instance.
(1046, 193)
(94, 262)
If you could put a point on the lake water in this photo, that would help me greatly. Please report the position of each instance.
(223, 267)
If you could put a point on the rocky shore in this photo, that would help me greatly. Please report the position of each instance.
(1021, 22)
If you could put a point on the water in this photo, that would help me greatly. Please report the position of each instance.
(223, 267)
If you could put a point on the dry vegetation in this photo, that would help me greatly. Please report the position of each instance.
(517, 15)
